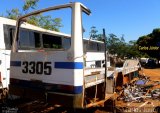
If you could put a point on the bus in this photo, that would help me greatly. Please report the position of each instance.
(6, 37)
(7, 33)
(4, 58)
(59, 68)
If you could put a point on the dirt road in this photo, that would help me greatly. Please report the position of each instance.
(154, 74)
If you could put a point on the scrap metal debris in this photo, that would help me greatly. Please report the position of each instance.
(139, 90)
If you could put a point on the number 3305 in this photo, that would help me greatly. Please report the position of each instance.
(37, 67)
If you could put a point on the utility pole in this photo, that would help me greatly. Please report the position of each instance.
(105, 55)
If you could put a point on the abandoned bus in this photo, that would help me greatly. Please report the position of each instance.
(7, 28)
(63, 68)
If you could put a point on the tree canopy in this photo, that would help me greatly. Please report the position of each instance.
(117, 45)
(150, 44)
(93, 32)
(40, 20)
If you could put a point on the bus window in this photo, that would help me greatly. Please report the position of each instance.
(8, 35)
(29, 39)
(101, 47)
(85, 45)
(50, 41)
(11, 34)
(92, 46)
(37, 39)
(66, 42)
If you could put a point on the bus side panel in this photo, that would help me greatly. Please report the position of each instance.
(4, 59)
(93, 57)
(6, 68)
(2, 44)
(48, 67)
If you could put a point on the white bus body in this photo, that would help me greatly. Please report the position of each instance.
(5, 50)
(61, 74)
(7, 27)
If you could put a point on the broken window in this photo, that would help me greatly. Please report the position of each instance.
(51, 41)
(93, 46)
(66, 43)
(29, 39)
(8, 35)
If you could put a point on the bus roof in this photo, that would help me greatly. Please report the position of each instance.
(93, 40)
(12, 22)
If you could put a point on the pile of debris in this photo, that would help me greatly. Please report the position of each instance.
(139, 89)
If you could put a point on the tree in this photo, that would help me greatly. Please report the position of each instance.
(113, 44)
(30, 4)
(93, 33)
(150, 44)
(13, 14)
(117, 45)
(100, 37)
(132, 49)
(46, 22)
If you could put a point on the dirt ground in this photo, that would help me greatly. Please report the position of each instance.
(149, 104)
(154, 74)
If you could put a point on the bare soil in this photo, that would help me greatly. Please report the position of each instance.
(154, 74)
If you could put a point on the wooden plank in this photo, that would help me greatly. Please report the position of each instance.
(108, 96)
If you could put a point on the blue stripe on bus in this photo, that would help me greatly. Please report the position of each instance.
(15, 63)
(77, 89)
(69, 65)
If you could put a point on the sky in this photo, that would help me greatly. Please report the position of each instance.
(130, 18)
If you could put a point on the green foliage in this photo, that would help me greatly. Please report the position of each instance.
(152, 39)
(13, 14)
(100, 37)
(46, 22)
(144, 40)
(93, 33)
(132, 49)
(30, 4)
(34, 20)
(117, 45)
